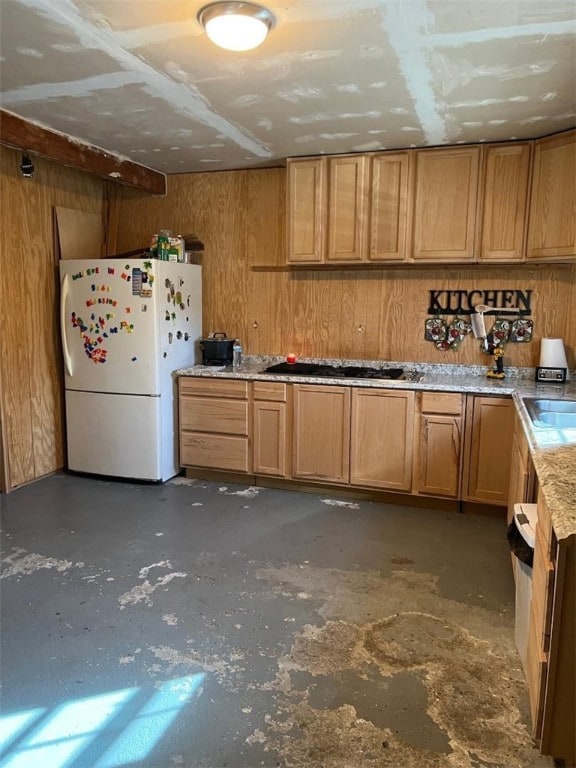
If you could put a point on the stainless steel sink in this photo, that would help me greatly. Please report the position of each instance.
(561, 420)
(559, 414)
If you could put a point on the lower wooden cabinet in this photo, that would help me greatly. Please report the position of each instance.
(381, 439)
(551, 656)
(438, 444)
(214, 424)
(271, 422)
(321, 448)
(488, 449)
(366, 437)
(521, 488)
(361, 437)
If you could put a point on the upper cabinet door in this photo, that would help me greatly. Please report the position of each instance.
(306, 210)
(445, 204)
(552, 228)
(506, 173)
(348, 208)
(389, 207)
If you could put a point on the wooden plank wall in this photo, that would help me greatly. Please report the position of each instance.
(372, 315)
(31, 396)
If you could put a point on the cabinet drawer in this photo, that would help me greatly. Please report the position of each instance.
(270, 390)
(214, 451)
(213, 387)
(441, 402)
(203, 414)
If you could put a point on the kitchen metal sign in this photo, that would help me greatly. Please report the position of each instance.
(464, 302)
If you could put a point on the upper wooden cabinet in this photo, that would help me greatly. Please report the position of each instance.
(505, 175)
(468, 204)
(445, 194)
(552, 230)
(306, 223)
(390, 199)
(328, 209)
(347, 207)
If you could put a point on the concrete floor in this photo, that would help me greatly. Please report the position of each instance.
(208, 626)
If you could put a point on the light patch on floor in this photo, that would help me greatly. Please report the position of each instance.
(147, 568)
(184, 690)
(245, 493)
(171, 619)
(141, 593)
(181, 480)
(341, 503)
(23, 563)
(227, 671)
(93, 577)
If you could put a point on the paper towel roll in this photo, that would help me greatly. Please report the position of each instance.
(478, 325)
(553, 354)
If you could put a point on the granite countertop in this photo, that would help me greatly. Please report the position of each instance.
(553, 450)
(553, 453)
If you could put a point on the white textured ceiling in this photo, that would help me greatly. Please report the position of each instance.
(141, 79)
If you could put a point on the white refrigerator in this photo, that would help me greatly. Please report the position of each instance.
(126, 325)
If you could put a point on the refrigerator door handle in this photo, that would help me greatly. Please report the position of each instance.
(63, 297)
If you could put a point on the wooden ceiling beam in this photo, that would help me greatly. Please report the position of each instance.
(33, 139)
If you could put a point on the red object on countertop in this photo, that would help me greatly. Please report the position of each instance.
(291, 358)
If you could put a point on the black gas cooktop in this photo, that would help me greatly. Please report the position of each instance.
(338, 371)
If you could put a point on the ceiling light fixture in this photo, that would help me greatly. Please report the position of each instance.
(236, 26)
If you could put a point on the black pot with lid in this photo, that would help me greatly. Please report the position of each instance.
(217, 349)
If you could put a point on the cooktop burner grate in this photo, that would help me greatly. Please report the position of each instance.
(335, 371)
